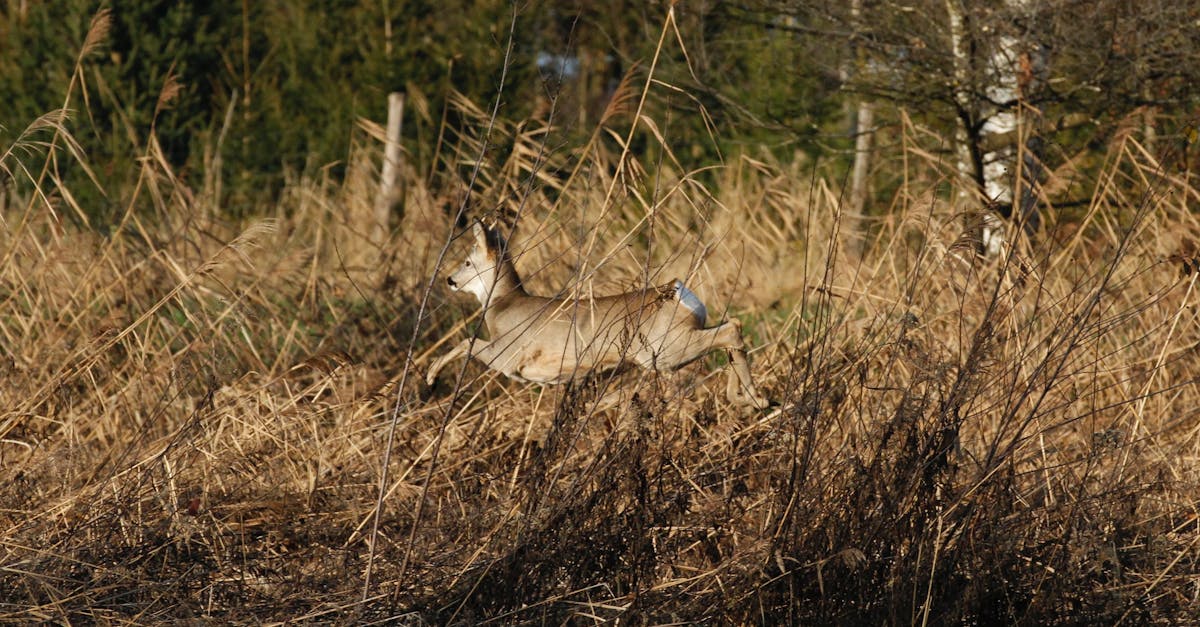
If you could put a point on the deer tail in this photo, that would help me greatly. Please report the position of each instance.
(688, 299)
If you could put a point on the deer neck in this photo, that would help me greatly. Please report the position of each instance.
(506, 288)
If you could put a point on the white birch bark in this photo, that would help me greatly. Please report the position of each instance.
(962, 79)
(1009, 172)
(864, 130)
(998, 164)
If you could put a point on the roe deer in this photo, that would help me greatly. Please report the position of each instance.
(551, 340)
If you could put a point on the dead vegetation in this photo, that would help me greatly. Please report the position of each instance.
(194, 415)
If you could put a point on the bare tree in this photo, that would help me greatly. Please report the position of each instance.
(1019, 85)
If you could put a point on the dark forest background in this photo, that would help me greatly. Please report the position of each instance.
(293, 77)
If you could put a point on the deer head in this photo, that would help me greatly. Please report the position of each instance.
(488, 270)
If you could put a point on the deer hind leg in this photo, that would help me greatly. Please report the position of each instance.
(739, 387)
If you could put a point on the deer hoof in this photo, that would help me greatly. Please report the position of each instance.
(749, 400)
(759, 402)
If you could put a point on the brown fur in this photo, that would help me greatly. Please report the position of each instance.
(552, 340)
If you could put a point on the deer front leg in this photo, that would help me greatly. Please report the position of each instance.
(458, 351)
(739, 387)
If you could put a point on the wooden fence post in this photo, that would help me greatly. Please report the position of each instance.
(388, 189)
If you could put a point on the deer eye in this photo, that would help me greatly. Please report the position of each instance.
(467, 263)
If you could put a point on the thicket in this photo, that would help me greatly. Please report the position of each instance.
(205, 419)
(293, 77)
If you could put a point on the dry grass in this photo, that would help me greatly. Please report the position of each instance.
(193, 414)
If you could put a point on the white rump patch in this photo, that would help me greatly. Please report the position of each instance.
(689, 299)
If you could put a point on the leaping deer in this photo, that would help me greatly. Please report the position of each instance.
(551, 340)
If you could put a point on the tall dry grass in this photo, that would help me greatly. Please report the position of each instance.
(193, 413)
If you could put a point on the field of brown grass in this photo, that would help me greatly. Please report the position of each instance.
(195, 415)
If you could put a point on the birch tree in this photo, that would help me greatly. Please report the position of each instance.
(863, 132)
(1019, 87)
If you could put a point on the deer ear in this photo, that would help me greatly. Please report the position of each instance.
(480, 235)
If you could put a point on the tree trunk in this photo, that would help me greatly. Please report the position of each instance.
(863, 128)
(1012, 165)
(963, 163)
(388, 192)
(1149, 134)
(864, 123)
(999, 161)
